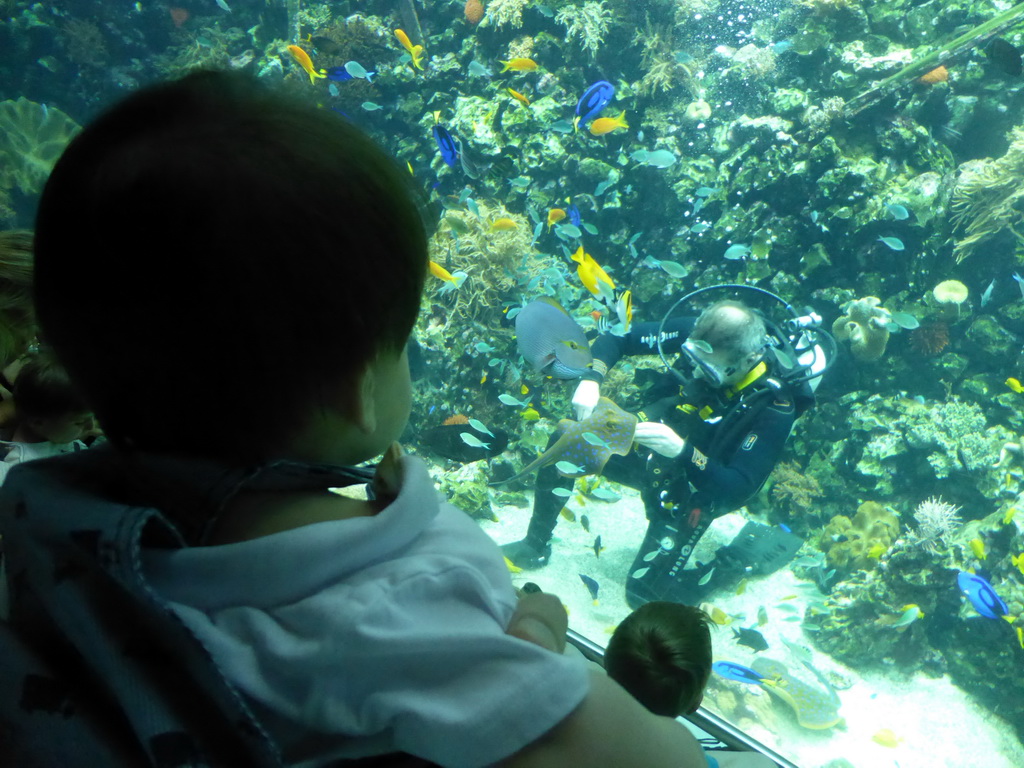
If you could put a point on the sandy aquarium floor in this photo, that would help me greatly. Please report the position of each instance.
(937, 723)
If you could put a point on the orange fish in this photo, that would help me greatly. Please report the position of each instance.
(604, 125)
(305, 62)
(555, 215)
(415, 51)
(503, 224)
(518, 97)
(519, 65)
(938, 75)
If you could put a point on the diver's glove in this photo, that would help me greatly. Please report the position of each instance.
(659, 438)
(585, 400)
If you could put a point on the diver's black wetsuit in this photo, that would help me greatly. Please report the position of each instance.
(734, 437)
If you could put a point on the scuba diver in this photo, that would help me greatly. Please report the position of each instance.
(711, 434)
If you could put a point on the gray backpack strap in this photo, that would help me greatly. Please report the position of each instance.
(78, 599)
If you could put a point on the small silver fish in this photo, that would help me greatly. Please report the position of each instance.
(986, 297)
(1020, 282)
(223, 6)
(472, 440)
(706, 578)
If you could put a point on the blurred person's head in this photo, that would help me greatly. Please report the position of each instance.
(253, 267)
(47, 406)
(726, 342)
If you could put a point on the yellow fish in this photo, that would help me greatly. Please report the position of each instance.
(519, 65)
(512, 567)
(530, 414)
(524, 390)
(886, 738)
(876, 551)
(518, 97)
(1018, 562)
(590, 272)
(741, 587)
(978, 548)
(503, 224)
(1014, 384)
(604, 125)
(1008, 517)
(555, 215)
(415, 51)
(717, 615)
(305, 62)
(1020, 636)
(568, 514)
(440, 272)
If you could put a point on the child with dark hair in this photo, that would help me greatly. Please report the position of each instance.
(255, 266)
(51, 417)
(661, 653)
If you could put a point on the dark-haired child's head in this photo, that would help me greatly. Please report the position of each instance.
(661, 654)
(218, 265)
(48, 407)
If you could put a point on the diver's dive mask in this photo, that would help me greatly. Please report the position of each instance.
(695, 353)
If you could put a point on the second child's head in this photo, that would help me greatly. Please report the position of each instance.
(661, 654)
(47, 406)
(219, 265)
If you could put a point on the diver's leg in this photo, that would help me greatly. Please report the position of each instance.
(535, 550)
(657, 570)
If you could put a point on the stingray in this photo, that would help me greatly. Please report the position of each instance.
(613, 426)
(816, 708)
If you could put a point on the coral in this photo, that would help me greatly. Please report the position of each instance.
(32, 137)
(852, 545)
(793, 487)
(930, 339)
(987, 196)
(588, 23)
(457, 418)
(495, 262)
(474, 11)
(936, 522)
(510, 12)
(84, 42)
(865, 325)
(466, 488)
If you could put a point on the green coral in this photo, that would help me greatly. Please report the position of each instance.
(852, 545)
(32, 137)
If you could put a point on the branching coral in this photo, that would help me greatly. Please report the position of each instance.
(493, 260)
(510, 12)
(794, 487)
(32, 137)
(988, 197)
(84, 42)
(588, 23)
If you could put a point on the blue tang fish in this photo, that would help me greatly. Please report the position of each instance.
(574, 216)
(733, 671)
(982, 596)
(338, 74)
(446, 143)
(593, 100)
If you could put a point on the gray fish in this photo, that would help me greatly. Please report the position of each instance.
(551, 341)
(750, 638)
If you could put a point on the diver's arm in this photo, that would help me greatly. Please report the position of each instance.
(730, 482)
(642, 339)
(611, 729)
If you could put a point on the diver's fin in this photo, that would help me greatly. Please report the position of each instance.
(764, 548)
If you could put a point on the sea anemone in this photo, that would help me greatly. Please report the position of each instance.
(950, 294)
(458, 418)
(930, 339)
